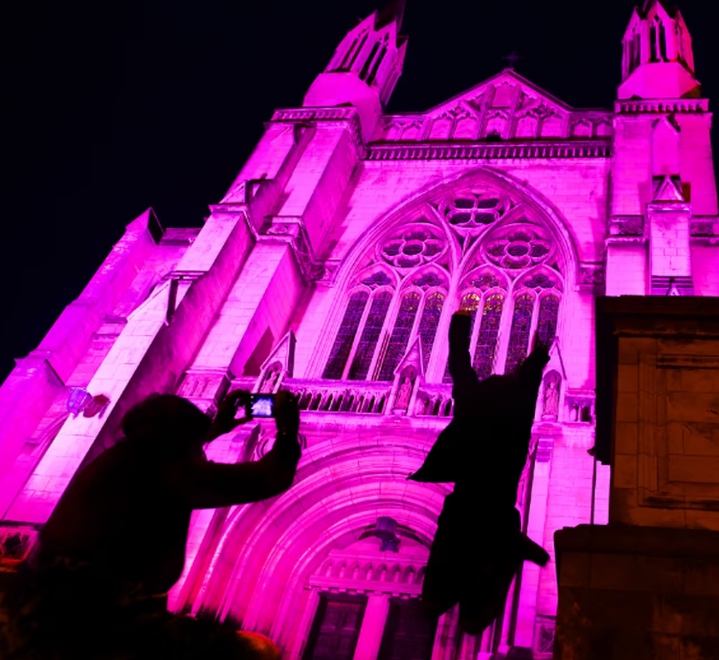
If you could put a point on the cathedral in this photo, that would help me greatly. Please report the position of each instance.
(331, 269)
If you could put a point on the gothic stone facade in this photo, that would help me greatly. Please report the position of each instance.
(331, 268)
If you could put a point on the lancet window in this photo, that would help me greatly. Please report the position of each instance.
(658, 42)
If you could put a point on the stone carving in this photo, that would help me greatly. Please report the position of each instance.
(630, 225)
(705, 228)
(550, 407)
(591, 275)
(405, 391)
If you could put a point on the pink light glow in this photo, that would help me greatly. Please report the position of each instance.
(470, 202)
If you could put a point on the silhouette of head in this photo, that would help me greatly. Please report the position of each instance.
(162, 418)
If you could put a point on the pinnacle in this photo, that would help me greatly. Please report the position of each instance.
(393, 11)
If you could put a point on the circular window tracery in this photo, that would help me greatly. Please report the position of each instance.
(412, 247)
(470, 210)
(519, 247)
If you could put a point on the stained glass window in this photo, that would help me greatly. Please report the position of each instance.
(470, 302)
(519, 336)
(400, 335)
(488, 333)
(548, 314)
(370, 335)
(345, 336)
(429, 322)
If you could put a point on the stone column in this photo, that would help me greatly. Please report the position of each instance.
(373, 623)
(445, 640)
(645, 585)
(529, 590)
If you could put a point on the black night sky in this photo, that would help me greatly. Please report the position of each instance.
(111, 107)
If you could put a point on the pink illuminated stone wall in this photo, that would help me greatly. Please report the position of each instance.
(331, 268)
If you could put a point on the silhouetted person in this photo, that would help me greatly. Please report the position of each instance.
(479, 546)
(96, 584)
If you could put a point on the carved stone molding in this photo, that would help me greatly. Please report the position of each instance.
(591, 277)
(347, 114)
(544, 632)
(203, 384)
(661, 106)
(291, 229)
(626, 225)
(705, 230)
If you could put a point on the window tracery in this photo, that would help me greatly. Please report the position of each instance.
(472, 210)
(484, 353)
(513, 290)
(519, 247)
(413, 247)
(519, 335)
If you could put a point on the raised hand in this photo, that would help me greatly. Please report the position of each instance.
(227, 409)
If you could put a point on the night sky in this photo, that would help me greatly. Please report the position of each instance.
(111, 107)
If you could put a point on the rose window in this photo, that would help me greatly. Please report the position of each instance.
(472, 211)
(412, 248)
(519, 248)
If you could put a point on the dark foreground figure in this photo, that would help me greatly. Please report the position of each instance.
(479, 546)
(96, 585)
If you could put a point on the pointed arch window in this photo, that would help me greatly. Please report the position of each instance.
(636, 50)
(521, 328)
(488, 333)
(548, 316)
(429, 322)
(377, 63)
(346, 336)
(370, 335)
(368, 61)
(401, 334)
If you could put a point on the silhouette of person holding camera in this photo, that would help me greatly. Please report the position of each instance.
(479, 547)
(96, 583)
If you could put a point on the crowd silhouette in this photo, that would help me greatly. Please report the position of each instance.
(95, 586)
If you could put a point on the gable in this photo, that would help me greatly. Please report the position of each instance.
(505, 107)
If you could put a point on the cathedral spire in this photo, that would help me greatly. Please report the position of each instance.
(365, 67)
(394, 11)
(658, 61)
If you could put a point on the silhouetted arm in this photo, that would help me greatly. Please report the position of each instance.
(460, 366)
(215, 485)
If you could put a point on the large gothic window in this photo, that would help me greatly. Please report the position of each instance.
(346, 335)
(511, 283)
